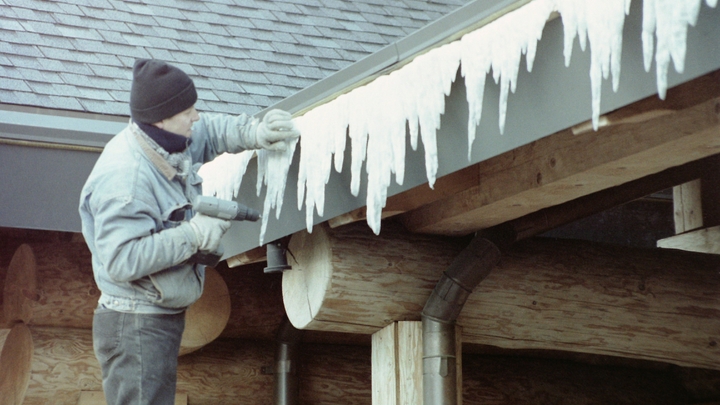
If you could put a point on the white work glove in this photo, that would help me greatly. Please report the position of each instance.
(276, 128)
(208, 231)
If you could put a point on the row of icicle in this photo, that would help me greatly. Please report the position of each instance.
(375, 115)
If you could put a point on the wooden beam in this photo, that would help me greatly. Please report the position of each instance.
(256, 255)
(705, 240)
(563, 166)
(552, 217)
(546, 294)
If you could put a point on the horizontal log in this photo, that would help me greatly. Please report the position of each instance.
(348, 280)
(576, 296)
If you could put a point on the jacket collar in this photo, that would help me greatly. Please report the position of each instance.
(157, 155)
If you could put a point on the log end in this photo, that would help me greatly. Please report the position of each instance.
(15, 363)
(20, 292)
(208, 316)
(306, 285)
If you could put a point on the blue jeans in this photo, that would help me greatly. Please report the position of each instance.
(138, 356)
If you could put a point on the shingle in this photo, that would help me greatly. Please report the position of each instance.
(238, 96)
(70, 8)
(42, 76)
(206, 95)
(24, 50)
(327, 64)
(23, 61)
(308, 72)
(126, 50)
(162, 54)
(13, 84)
(140, 9)
(191, 5)
(8, 12)
(4, 61)
(81, 21)
(10, 25)
(65, 103)
(136, 40)
(27, 14)
(78, 32)
(41, 27)
(224, 84)
(105, 107)
(162, 11)
(121, 96)
(35, 5)
(112, 72)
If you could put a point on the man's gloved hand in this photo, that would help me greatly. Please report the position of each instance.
(208, 231)
(276, 128)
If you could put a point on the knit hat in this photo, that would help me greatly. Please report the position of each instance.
(159, 91)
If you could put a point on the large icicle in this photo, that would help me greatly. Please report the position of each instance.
(273, 169)
(668, 20)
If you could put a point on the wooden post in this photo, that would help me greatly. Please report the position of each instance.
(687, 203)
(397, 364)
(15, 362)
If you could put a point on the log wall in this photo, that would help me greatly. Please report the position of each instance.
(546, 294)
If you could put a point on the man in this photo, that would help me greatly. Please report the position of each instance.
(142, 231)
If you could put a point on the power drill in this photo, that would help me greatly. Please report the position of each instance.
(223, 209)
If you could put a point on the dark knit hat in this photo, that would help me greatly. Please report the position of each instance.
(159, 91)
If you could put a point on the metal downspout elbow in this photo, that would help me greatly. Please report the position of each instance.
(443, 307)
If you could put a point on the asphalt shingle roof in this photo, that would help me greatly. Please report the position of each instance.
(244, 55)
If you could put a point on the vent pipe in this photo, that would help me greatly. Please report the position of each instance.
(468, 269)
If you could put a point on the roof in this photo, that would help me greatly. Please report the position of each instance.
(244, 55)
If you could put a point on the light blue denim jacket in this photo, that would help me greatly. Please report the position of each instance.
(129, 209)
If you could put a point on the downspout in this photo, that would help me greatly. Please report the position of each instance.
(468, 269)
(286, 364)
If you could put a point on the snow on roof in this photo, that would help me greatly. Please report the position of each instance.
(244, 55)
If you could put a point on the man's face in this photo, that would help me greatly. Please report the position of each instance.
(180, 123)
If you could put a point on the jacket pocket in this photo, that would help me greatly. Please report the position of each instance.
(178, 286)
